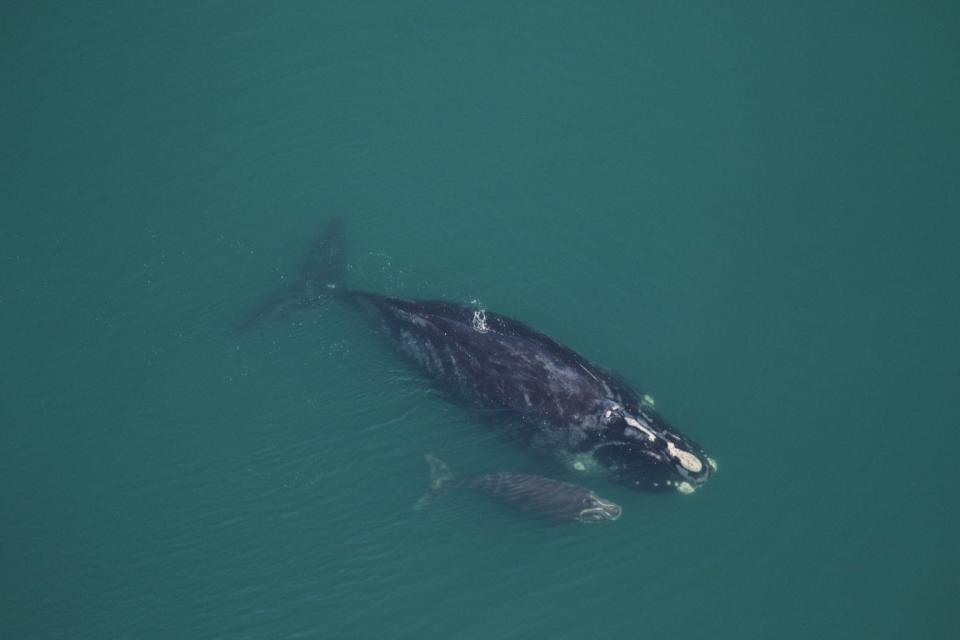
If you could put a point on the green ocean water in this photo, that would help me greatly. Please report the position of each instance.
(749, 210)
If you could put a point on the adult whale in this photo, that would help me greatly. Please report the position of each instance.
(558, 401)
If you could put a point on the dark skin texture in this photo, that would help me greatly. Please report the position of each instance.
(557, 401)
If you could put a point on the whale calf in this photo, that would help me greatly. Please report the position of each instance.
(553, 399)
(555, 499)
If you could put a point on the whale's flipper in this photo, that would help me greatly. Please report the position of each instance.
(440, 479)
(321, 274)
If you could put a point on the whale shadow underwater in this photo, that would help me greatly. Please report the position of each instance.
(554, 399)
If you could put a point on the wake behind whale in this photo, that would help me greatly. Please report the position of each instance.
(555, 399)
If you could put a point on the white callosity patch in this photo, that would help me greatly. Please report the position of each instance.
(631, 422)
(689, 461)
(685, 487)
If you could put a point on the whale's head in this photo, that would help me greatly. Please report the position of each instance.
(641, 450)
(597, 509)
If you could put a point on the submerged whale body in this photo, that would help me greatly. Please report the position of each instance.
(554, 499)
(555, 399)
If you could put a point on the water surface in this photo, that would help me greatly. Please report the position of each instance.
(748, 211)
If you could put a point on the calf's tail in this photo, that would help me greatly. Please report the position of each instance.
(440, 482)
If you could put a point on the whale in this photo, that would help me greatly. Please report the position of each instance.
(548, 397)
(554, 499)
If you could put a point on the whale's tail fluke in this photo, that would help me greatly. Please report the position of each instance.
(320, 276)
(440, 481)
